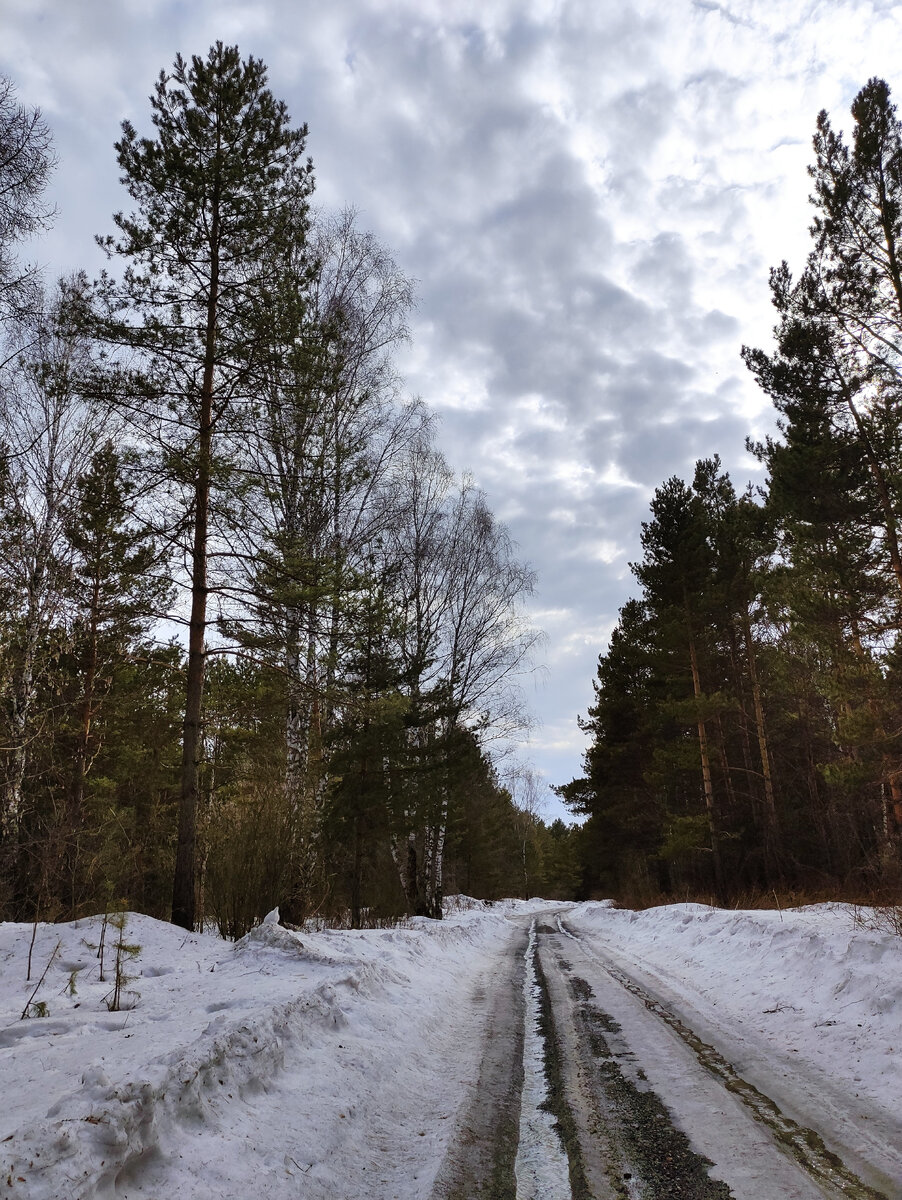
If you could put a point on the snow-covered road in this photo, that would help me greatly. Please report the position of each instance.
(802, 1007)
(661, 1112)
(389, 1065)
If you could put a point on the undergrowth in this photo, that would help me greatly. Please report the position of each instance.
(879, 910)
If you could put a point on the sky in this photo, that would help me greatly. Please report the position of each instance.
(589, 195)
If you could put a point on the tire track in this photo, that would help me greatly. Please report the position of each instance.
(630, 1146)
(545, 1162)
(825, 1168)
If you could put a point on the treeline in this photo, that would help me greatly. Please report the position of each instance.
(253, 631)
(747, 725)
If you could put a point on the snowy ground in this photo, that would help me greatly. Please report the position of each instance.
(336, 1064)
(336, 1057)
(806, 1004)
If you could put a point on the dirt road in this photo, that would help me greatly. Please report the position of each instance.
(591, 1088)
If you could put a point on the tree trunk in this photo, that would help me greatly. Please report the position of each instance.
(23, 695)
(183, 897)
(772, 847)
(357, 876)
(706, 775)
(297, 720)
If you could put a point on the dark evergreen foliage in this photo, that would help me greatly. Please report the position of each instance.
(216, 439)
(746, 724)
(219, 189)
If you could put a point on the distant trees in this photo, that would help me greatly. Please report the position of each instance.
(47, 433)
(115, 591)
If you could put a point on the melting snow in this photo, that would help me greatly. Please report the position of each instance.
(541, 1167)
(336, 1063)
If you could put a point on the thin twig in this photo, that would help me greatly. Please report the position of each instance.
(50, 961)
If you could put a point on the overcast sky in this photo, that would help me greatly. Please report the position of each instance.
(589, 194)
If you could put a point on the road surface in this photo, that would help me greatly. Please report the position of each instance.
(594, 1086)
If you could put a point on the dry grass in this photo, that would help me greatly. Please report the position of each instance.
(879, 918)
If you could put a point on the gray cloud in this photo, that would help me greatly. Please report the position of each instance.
(585, 194)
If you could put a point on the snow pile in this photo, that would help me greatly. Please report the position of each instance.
(338, 1063)
(808, 985)
(282, 1063)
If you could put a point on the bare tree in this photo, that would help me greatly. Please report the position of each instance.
(525, 787)
(464, 643)
(329, 425)
(26, 161)
(47, 434)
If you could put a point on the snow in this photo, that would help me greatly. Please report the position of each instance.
(339, 1057)
(541, 1169)
(809, 980)
(806, 1003)
(335, 1063)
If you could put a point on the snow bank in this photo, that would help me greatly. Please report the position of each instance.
(809, 983)
(237, 1067)
(334, 1064)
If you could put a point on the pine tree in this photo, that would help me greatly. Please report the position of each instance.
(367, 742)
(219, 184)
(677, 574)
(626, 723)
(116, 589)
(685, 657)
(49, 432)
(835, 376)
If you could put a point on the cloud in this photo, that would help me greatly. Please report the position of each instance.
(588, 196)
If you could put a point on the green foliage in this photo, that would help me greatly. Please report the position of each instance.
(685, 836)
(747, 709)
(235, 435)
(123, 953)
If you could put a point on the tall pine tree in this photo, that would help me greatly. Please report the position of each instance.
(219, 184)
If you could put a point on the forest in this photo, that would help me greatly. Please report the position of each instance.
(746, 734)
(257, 640)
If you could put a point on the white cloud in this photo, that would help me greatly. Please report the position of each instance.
(590, 197)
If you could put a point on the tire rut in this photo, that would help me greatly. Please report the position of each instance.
(825, 1168)
(619, 1136)
(627, 1144)
(480, 1163)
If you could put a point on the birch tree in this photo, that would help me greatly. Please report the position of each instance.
(464, 641)
(330, 423)
(26, 162)
(47, 434)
